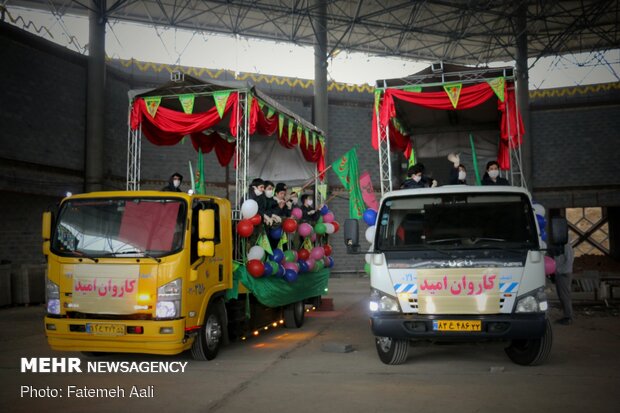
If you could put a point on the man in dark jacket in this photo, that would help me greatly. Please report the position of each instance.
(174, 183)
(491, 176)
(417, 179)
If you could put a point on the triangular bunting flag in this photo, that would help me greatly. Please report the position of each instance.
(290, 130)
(454, 91)
(307, 244)
(313, 141)
(497, 85)
(300, 131)
(322, 188)
(377, 100)
(306, 134)
(280, 124)
(411, 158)
(187, 102)
(283, 240)
(152, 103)
(270, 111)
(220, 99)
(261, 104)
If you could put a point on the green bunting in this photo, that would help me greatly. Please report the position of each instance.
(220, 99)
(187, 103)
(152, 103)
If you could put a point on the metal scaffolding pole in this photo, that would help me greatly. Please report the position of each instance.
(523, 94)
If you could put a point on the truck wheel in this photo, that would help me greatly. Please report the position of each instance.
(207, 343)
(391, 350)
(531, 352)
(294, 315)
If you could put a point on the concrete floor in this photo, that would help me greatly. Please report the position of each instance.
(288, 371)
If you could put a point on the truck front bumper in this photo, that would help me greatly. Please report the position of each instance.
(140, 336)
(495, 326)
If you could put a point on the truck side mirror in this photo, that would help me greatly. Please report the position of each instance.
(46, 231)
(352, 235)
(206, 224)
(559, 231)
(206, 233)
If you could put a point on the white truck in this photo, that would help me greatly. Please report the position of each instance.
(458, 263)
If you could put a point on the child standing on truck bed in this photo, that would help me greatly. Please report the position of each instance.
(491, 176)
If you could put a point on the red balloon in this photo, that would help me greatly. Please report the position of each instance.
(289, 225)
(336, 226)
(303, 254)
(256, 220)
(256, 268)
(328, 249)
(245, 228)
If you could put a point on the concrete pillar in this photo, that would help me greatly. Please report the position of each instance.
(523, 92)
(320, 67)
(95, 97)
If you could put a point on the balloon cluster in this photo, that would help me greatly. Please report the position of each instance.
(288, 264)
(370, 218)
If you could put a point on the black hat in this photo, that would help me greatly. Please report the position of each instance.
(281, 186)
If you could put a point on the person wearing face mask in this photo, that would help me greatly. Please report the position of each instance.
(293, 200)
(309, 214)
(271, 204)
(417, 179)
(257, 193)
(174, 183)
(458, 173)
(491, 176)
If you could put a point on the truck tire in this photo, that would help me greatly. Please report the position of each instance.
(294, 315)
(531, 352)
(391, 350)
(209, 340)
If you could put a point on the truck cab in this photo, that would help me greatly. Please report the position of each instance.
(457, 263)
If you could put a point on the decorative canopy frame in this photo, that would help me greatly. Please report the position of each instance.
(220, 116)
(485, 95)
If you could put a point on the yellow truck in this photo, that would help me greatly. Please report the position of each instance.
(153, 272)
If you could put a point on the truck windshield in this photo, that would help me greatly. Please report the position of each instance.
(148, 227)
(457, 221)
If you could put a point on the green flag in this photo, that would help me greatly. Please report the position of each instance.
(411, 161)
(200, 175)
(474, 158)
(347, 171)
(263, 242)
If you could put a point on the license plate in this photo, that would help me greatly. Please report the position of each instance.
(457, 325)
(106, 329)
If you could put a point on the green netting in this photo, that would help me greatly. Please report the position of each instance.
(275, 292)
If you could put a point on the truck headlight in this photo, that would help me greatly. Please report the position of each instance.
(383, 303)
(52, 297)
(534, 302)
(169, 300)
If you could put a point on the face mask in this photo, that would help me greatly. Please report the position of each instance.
(462, 175)
(494, 173)
(309, 202)
(417, 178)
(294, 199)
(269, 194)
(258, 192)
(176, 183)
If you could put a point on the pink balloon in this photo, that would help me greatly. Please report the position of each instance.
(549, 265)
(291, 266)
(313, 237)
(329, 217)
(296, 213)
(317, 253)
(310, 261)
(304, 229)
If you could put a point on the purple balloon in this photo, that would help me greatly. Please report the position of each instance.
(303, 266)
(324, 210)
(290, 276)
(296, 213)
(304, 229)
(317, 253)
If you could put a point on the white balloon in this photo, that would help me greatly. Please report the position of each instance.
(370, 234)
(256, 253)
(249, 208)
(329, 228)
(543, 245)
(539, 209)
